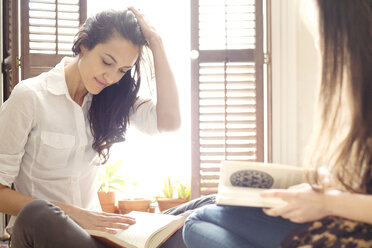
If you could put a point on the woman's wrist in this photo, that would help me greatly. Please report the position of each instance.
(332, 201)
(66, 208)
(154, 40)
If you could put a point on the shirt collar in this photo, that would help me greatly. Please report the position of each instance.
(56, 81)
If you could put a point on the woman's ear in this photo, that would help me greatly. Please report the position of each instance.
(83, 50)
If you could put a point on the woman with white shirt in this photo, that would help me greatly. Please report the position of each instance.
(56, 123)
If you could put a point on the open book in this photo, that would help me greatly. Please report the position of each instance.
(150, 231)
(241, 182)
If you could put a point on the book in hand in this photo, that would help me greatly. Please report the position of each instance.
(149, 231)
(241, 182)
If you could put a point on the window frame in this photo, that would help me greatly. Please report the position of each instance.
(257, 56)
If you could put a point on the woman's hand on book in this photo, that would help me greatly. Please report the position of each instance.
(303, 204)
(101, 221)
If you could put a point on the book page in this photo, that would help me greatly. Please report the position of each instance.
(241, 182)
(149, 231)
(146, 225)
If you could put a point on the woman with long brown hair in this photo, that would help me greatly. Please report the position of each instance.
(57, 126)
(334, 208)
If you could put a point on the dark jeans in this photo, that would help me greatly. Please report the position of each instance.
(41, 224)
(235, 227)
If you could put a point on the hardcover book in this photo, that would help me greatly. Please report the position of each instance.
(241, 182)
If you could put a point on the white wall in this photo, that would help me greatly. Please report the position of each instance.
(295, 74)
(1, 51)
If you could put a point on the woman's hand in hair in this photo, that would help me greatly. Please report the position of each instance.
(147, 28)
(303, 204)
(167, 102)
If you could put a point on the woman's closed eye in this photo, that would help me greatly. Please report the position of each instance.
(106, 63)
(109, 64)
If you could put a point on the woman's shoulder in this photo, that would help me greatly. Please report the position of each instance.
(28, 86)
(26, 91)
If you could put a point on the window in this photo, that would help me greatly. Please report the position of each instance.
(47, 32)
(48, 29)
(227, 87)
(10, 46)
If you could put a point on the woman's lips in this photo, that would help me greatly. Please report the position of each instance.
(100, 83)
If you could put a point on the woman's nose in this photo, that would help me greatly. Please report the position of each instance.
(111, 77)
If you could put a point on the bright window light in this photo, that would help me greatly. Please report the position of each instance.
(150, 160)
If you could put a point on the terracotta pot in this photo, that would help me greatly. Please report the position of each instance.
(109, 208)
(107, 201)
(167, 203)
(152, 209)
(128, 205)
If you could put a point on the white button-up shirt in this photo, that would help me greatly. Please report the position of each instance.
(46, 142)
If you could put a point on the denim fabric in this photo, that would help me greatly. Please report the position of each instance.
(234, 227)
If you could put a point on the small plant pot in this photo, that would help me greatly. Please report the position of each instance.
(107, 201)
(109, 208)
(167, 203)
(128, 205)
(152, 209)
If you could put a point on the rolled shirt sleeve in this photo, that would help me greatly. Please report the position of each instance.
(143, 116)
(16, 121)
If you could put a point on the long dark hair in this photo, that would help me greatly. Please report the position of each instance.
(109, 111)
(342, 139)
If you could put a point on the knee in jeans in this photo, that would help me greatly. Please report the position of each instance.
(194, 217)
(34, 212)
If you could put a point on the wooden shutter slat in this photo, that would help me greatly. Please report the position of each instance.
(209, 161)
(213, 122)
(206, 177)
(209, 185)
(227, 130)
(208, 146)
(51, 41)
(48, 32)
(208, 191)
(41, 25)
(210, 169)
(214, 138)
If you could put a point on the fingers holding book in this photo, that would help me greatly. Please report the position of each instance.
(302, 203)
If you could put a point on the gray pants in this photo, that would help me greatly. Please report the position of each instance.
(41, 224)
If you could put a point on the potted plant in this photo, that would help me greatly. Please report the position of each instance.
(135, 204)
(109, 183)
(168, 201)
(184, 191)
(132, 201)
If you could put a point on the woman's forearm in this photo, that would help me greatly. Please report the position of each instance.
(11, 202)
(350, 205)
(167, 107)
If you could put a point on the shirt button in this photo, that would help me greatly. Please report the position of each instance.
(82, 148)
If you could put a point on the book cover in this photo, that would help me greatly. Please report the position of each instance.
(149, 231)
(241, 182)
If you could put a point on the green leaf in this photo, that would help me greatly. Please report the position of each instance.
(108, 179)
